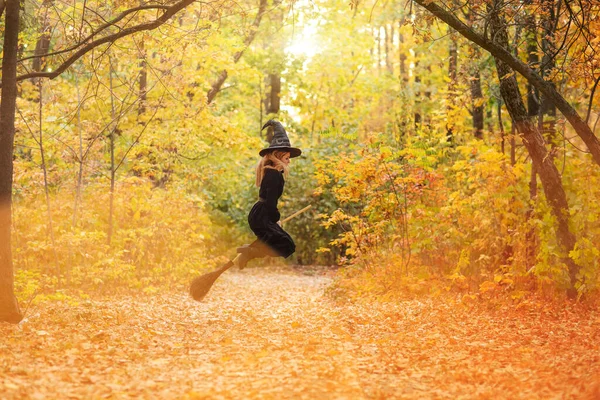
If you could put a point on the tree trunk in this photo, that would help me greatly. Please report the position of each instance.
(417, 93)
(451, 97)
(42, 46)
(143, 80)
(111, 143)
(392, 33)
(533, 109)
(276, 45)
(9, 307)
(403, 123)
(50, 226)
(402, 55)
(80, 155)
(388, 60)
(508, 251)
(533, 104)
(378, 39)
(548, 109)
(477, 102)
(501, 128)
(273, 100)
(216, 86)
(534, 143)
(513, 144)
(531, 236)
(502, 54)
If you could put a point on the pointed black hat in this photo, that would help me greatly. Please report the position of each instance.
(280, 140)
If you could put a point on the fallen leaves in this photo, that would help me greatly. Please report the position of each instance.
(271, 334)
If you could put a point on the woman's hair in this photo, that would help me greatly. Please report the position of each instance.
(271, 160)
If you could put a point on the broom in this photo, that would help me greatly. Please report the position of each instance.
(202, 284)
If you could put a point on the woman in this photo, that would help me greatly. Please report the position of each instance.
(271, 240)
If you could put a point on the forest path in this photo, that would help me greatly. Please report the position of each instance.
(272, 334)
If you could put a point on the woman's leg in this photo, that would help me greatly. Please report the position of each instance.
(256, 249)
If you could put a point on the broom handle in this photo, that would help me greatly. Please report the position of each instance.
(296, 214)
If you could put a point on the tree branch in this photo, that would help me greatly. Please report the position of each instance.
(580, 126)
(98, 31)
(587, 117)
(170, 11)
(216, 86)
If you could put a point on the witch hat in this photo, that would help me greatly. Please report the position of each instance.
(280, 140)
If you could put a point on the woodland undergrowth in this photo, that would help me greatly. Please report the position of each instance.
(435, 219)
(159, 238)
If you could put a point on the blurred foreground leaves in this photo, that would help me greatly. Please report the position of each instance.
(272, 334)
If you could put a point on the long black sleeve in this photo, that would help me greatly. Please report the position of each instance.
(271, 189)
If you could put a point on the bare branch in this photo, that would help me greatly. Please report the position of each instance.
(587, 117)
(170, 11)
(97, 31)
(216, 86)
(547, 88)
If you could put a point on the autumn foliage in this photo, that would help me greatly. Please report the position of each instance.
(127, 177)
(450, 156)
(468, 225)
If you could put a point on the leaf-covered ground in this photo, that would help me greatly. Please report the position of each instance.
(272, 334)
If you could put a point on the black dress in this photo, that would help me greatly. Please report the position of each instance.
(264, 216)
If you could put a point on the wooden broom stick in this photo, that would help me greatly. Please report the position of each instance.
(296, 214)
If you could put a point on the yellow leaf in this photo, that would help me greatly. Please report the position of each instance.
(487, 286)
(508, 75)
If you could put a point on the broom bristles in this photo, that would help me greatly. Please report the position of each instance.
(201, 285)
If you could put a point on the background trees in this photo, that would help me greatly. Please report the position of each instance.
(96, 102)
(421, 159)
